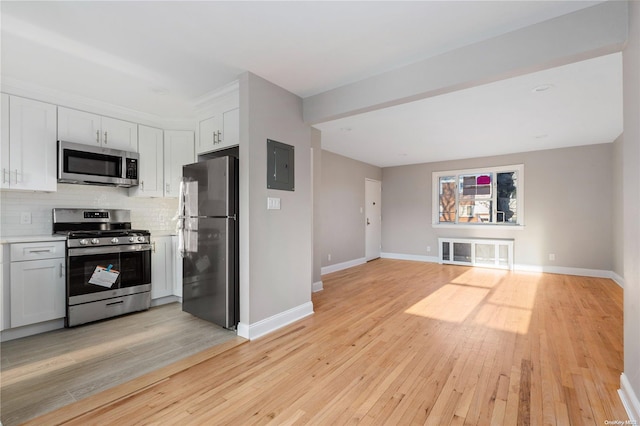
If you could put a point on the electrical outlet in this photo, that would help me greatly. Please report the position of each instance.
(552, 256)
(428, 249)
(25, 218)
(329, 257)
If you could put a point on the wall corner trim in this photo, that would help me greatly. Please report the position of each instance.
(629, 399)
(268, 325)
(317, 286)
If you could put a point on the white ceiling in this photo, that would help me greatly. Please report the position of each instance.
(162, 57)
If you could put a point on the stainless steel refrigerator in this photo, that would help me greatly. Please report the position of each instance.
(208, 235)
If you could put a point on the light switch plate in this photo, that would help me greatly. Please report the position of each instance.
(273, 203)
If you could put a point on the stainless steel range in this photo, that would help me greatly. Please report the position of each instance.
(108, 264)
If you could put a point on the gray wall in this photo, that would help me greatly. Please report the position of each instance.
(341, 197)
(568, 205)
(276, 245)
(631, 206)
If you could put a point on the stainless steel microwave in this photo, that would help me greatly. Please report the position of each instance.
(92, 165)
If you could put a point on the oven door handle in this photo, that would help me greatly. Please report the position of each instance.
(87, 251)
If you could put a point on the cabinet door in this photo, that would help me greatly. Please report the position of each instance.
(119, 134)
(4, 293)
(178, 151)
(79, 126)
(151, 165)
(161, 268)
(32, 145)
(230, 128)
(37, 291)
(207, 136)
(4, 143)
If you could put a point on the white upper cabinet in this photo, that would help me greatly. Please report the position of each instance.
(28, 145)
(178, 151)
(92, 129)
(220, 131)
(151, 165)
(221, 127)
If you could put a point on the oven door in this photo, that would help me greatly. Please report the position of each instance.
(131, 263)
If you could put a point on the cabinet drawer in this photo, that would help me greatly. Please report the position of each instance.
(37, 251)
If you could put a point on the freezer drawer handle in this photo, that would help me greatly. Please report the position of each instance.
(120, 302)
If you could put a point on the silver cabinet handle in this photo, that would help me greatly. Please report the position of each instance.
(4, 174)
(41, 251)
(142, 185)
(97, 136)
(105, 137)
(214, 138)
(168, 187)
(61, 271)
(219, 138)
(153, 243)
(16, 177)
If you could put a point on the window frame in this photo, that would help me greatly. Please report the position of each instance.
(435, 199)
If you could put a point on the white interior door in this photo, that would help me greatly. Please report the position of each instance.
(373, 218)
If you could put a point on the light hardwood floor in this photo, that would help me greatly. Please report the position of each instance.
(47, 371)
(396, 343)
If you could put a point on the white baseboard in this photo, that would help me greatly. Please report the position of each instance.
(317, 286)
(165, 300)
(267, 325)
(629, 399)
(416, 257)
(617, 278)
(565, 270)
(340, 266)
(30, 330)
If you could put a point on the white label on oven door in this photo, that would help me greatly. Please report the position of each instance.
(104, 277)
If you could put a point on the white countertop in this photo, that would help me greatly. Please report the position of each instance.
(32, 239)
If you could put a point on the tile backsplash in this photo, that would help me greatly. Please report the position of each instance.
(154, 214)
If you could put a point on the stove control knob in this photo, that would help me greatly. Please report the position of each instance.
(95, 241)
(132, 239)
(114, 240)
(141, 239)
(84, 242)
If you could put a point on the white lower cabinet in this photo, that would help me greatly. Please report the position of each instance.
(162, 267)
(4, 293)
(37, 282)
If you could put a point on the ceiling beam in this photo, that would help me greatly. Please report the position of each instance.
(581, 35)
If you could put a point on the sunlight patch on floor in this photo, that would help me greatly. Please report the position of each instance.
(480, 277)
(477, 292)
(451, 303)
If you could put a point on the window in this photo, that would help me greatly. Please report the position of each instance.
(491, 196)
